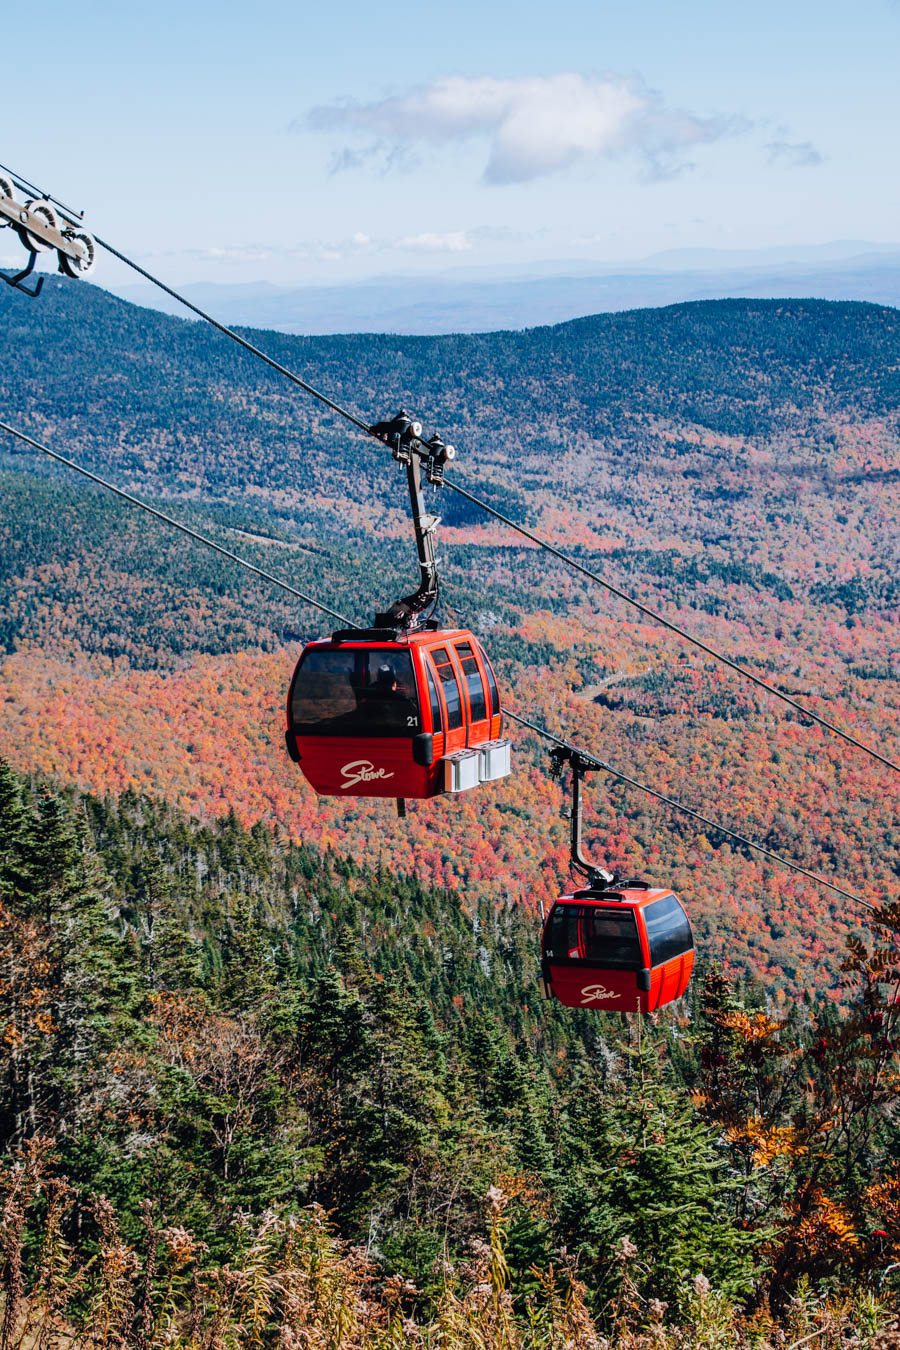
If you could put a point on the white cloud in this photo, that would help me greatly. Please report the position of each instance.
(354, 245)
(794, 154)
(455, 241)
(253, 253)
(535, 125)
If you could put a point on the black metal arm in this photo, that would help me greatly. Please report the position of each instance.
(404, 436)
(580, 764)
(16, 281)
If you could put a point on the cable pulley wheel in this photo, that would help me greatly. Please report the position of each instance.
(81, 266)
(46, 214)
(7, 189)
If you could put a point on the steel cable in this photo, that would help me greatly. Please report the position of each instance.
(523, 721)
(176, 524)
(241, 341)
(689, 811)
(498, 515)
(673, 627)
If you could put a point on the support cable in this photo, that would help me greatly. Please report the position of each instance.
(176, 524)
(517, 717)
(672, 627)
(241, 341)
(565, 558)
(689, 811)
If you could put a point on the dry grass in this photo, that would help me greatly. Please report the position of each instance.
(293, 1285)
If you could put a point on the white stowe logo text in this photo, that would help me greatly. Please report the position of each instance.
(361, 771)
(592, 993)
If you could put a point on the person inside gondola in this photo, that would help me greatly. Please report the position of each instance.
(384, 702)
(386, 683)
(369, 693)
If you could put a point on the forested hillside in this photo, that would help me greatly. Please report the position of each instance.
(218, 1048)
(274, 1070)
(734, 464)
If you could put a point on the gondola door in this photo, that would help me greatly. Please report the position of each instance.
(475, 693)
(461, 763)
(455, 708)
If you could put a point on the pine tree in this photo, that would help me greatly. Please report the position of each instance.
(644, 1177)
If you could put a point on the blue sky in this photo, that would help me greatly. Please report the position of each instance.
(302, 143)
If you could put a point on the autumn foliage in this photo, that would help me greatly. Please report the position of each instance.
(274, 1069)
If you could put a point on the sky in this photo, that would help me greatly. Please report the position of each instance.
(318, 144)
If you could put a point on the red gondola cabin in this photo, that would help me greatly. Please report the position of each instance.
(377, 713)
(618, 950)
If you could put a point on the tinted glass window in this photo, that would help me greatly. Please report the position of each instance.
(492, 684)
(668, 930)
(611, 939)
(355, 693)
(437, 718)
(562, 938)
(474, 683)
(452, 696)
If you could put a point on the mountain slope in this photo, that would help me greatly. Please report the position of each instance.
(734, 464)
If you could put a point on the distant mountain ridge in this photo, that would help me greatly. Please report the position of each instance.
(467, 302)
(177, 407)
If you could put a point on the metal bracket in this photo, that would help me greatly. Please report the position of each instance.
(39, 228)
(16, 281)
(580, 764)
(404, 437)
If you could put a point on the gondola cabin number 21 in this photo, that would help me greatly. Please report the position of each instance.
(372, 715)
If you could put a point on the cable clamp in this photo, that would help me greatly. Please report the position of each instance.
(401, 434)
(581, 763)
(404, 437)
(558, 758)
(436, 456)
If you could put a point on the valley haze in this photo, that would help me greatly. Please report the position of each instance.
(484, 299)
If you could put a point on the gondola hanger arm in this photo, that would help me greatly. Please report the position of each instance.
(580, 764)
(404, 438)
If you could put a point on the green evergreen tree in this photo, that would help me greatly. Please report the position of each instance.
(645, 1180)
